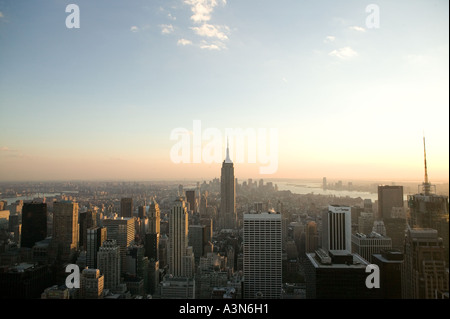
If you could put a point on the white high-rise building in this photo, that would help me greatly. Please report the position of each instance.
(337, 229)
(262, 256)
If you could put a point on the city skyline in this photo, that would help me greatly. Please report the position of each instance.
(349, 100)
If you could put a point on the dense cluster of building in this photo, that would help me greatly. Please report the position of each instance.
(226, 240)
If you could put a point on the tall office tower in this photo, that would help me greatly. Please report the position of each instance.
(324, 183)
(390, 264)
(368, 206)
(151, 244)
(366, 245)
(188, 262)
(108, 261)
(137, 263)
(284, 229)
(388, 198)
(123, 231)
(365, 223)
(228, 217)
(429, 210)
(197, 239)
(142, 212)
(154, 217)
(65, 230)
(92, 284)
(178, 236)
(94, 240)
(395, 229)
(126, 207)
(190, 198)
(208, 223)
(262, 256)
(336, 224)
(312, 237)
(34, 223)
(15, 227)
(163, 251)
(336, 274)
(424, 273)
(203, 209)
(86, 220)
(153, 276)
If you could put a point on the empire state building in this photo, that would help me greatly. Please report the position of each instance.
(228, 217)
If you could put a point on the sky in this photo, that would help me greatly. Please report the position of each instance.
(342, 89)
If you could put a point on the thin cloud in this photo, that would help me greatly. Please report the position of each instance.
(7, 149)
(209, 46)
(357, 28)
(134, 29)
(214, 46)
(329, 39)
(344, 53)
(184, 42)
(1, 14)
(166, 28)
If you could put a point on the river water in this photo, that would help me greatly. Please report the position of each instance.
(303, 187)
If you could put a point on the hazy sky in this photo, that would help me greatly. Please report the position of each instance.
(349, 99)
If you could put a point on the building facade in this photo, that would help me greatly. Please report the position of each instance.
(262, 256)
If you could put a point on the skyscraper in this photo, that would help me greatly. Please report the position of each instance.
(366, 245)
(34, 223)
(190, 198)
(86, 220)
(65, 230)
(333, 271)
(336, 274)
(203, 205)
(126, 207)
(94, 240)
(154, 217)
(197, 239)
(228, 217)
(424, 273)
(388, 198)
(108, 261)
(178, 237)
(312, 237)
(336, 233)
(429, 210)
(262, 256)
(389, 262)
(122, 230)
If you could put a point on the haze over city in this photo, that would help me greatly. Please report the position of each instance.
(349, 100)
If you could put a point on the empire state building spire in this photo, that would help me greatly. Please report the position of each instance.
(227, 159)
